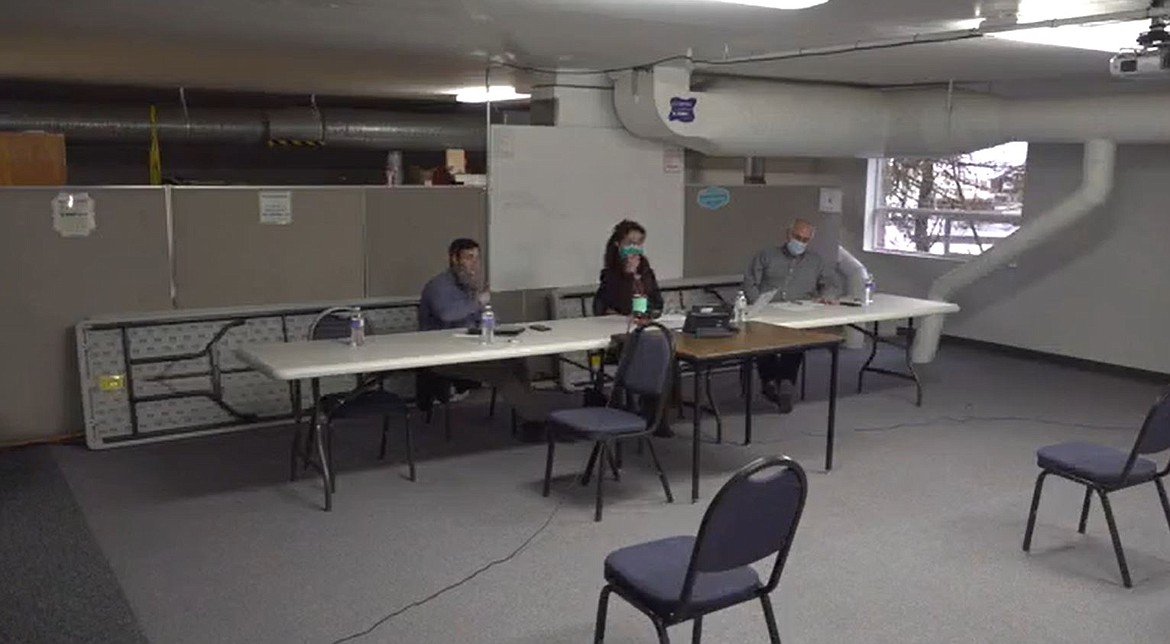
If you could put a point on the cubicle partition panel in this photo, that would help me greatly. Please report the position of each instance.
(307, 245)
(168, 375)
(51, 279)
(727, 225)
(408, 230)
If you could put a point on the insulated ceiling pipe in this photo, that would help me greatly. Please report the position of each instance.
(742, 117)
(1096, 185)
(348, 128)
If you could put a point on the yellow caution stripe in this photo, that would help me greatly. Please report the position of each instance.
(294, 143)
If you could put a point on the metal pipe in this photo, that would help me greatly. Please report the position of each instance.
(346, 128)
(1096, 185)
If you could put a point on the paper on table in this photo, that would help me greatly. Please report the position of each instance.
(797, 306)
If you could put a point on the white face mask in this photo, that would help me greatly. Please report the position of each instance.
(797, 247)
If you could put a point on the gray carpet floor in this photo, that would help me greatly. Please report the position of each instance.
(55, 584)
(914, 537)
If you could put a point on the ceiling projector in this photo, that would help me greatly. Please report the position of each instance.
(1151, 59)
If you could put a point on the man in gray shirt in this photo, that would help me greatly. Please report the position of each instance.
(795, 273)
(454, 299)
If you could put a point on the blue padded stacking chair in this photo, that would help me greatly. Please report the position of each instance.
(369, 399)
(645, 369)
(683, 579)
(1103, 470)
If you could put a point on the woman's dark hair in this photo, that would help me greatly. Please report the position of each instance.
(613, 258)
(458, 246)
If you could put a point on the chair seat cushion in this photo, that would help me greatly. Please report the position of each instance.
(375, 402)
(654, 573)
(598, 421)
(1093, 462)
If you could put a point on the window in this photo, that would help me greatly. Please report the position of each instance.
(953, 206)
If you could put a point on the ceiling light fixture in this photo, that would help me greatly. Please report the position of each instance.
(776, 4)
(493, 94)
(1109, 36)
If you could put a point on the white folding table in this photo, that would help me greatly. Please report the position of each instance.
(312, 360)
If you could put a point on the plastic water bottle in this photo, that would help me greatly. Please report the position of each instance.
(357, 328)
(870, 286)
(741, 307)
(487, 325)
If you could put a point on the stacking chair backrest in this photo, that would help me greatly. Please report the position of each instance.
(332, 324)
(646, 366)
(753, 516)
(1154, 436)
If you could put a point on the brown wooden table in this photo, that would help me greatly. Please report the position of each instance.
(754, 340)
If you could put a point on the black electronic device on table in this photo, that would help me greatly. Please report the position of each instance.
(501, 331)
(709, 322)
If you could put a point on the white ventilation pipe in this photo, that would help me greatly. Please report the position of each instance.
(856, 274)
(744, 117)
(1095, 187)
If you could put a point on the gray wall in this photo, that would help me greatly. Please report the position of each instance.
(50, 283)
(1096, 292)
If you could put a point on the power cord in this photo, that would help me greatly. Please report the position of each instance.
(452, 586)
(962, 420)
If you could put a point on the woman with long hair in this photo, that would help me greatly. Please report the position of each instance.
(627, 274)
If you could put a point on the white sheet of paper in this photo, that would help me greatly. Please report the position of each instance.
(73, 214)
(276, 207)
(798, 306)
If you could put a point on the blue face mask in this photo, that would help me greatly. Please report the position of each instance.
(797, 247)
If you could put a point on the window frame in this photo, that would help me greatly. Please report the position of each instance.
(874, 220)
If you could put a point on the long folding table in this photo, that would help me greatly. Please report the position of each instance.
(312, 360)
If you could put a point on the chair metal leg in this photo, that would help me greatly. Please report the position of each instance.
(1165, 501)
(1116, 539)
(614, 466)
(326, 475)
(1032, 513)
(804, 378)
(447, 421)
(385, 432)
(590, 463)
(714, 408)
(604, 454)
(658, 467)
(327, 432)
(548, 462)
(409, 445)
(697, 630)
(873, 349)
(296, 451)
(1085, 510)
(663, 638)
(492, 405)
(770, 618)
(602, 612)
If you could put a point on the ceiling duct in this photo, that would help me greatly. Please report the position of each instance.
(344, 128)
(763, 118)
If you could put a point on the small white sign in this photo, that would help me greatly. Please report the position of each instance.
(73, 214)
(276, 207)
(673, 160)
(831, 199)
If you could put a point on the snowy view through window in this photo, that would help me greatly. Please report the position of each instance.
(957, 205)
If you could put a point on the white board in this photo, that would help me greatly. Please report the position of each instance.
(555, 194)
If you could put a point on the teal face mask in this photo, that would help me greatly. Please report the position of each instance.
(629, 251)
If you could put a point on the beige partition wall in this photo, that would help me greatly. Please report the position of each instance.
(408, 230)
(50, 283)
(225, 255)
(723, 240)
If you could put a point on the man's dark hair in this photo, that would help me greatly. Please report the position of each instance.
(460, 245)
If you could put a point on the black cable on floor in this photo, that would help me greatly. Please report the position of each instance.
(477, 572)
